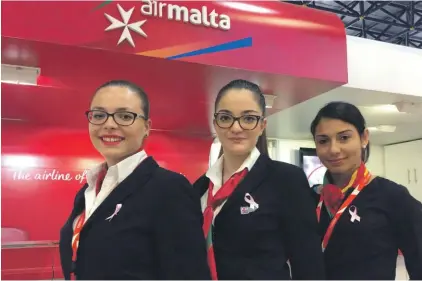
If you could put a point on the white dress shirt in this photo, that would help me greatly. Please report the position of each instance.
(215, 175)
(115, 175)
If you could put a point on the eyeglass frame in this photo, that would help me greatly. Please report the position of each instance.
(135, 116)
(259, 118)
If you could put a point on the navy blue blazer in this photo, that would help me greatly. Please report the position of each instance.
(391, 219)
(156, 235)
(284, 227)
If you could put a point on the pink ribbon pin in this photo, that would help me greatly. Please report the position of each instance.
(118, 207)
(353, 211)
(253, 206)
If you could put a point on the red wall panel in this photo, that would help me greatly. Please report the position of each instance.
(43, 168)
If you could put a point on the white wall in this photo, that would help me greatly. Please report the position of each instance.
(403, 165)
(288, 151)
(376, 162)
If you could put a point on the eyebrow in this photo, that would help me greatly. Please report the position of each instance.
(339, 133)
(243, 112)
(117, 109)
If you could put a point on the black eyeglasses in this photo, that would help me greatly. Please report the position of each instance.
(246, 122)
(123, 118)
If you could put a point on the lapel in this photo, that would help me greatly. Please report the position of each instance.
(79, 205)
(253, 179)
(66, 232)
(138, 178)
(201, 185)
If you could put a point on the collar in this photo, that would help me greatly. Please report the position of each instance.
(215, 172)
(120, 171)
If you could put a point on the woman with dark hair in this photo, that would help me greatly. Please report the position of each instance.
(132, 219)
(258, 213)
(364, 219)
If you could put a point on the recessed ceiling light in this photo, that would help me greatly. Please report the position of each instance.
(409, 107)
(21, 75)
(269, 100)
(383, 128)
(382, 108)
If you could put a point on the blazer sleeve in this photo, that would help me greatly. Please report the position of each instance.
(407, 219)
(181, 247)
(303, 239)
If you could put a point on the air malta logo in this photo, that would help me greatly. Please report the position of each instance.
(173, 12)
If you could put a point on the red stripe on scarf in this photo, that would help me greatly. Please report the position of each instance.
(212, 203)
(81, 220)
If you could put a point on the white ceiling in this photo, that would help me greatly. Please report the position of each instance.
(294, 122)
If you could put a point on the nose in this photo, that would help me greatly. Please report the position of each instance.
(110, 123)
(236, 127)
(334, 147)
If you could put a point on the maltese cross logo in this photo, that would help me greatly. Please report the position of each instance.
(127, 27)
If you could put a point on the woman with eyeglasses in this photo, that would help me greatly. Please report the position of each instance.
(132, 219)
(259, 215)
(364, 219)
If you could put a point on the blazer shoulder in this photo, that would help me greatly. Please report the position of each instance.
(81, 193)
(287, 170)
(163, 175)
(200, 181)
(170, 182)
(390, 186)
(173, 189)
(392, 190)
(201, 185)
(289, 178)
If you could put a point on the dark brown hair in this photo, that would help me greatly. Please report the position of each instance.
(240, 84)
(132, 87)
